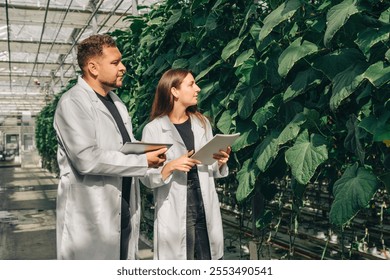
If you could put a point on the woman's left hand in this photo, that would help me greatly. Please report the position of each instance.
(223, 156)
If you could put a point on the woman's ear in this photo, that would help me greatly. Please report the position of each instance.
(174, 92)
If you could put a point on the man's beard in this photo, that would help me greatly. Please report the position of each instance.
(113, 84)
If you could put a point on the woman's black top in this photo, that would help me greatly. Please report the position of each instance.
(187, 135)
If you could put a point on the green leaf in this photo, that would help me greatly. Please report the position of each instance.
(248, 135)
(378, 74)
(226, 121)
(250, 12)
(180, 63)
(212, 21)
(385, 16)
(268, 111)
(247, 96)
(305, 156)
(207, 70)
(368, 38)
(244, 71)
(246, 180)
(345, 83)
(284, 12)
(232, 47)
(302, 82)
(293, 53)
(243, 57)
(267, 151)
(387, 55)
(378, 127)
(334, 63)
(292, 129)
(176, 16)
(337, 16)
(207, 90)
(352, 192)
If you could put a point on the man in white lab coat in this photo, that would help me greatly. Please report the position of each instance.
(98, 201)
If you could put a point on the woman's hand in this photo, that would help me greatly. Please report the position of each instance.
(183, 163)
(223, 156)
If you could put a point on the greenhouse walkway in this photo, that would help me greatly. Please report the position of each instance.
(27, 212)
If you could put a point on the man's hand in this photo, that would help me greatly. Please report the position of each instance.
(156, 158)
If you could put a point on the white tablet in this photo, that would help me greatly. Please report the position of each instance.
(141, 147)
(219, 142)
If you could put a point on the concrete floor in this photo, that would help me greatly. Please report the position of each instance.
(27, 214)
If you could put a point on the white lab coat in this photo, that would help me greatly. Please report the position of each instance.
(170, 196)
(91, 171)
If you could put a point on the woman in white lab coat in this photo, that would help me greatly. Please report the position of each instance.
(188, 222)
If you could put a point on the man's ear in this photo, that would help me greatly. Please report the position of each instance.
(92, 67)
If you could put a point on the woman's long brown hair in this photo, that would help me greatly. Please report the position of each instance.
(163, 99)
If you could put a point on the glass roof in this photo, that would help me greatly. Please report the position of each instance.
(38, 38)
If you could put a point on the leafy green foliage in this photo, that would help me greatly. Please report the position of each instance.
(306, 155)
(45, 134)
(296, 78)
(352, 192)
(306, 83)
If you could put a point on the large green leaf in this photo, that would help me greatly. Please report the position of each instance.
(371, 36)
(207, 89)
(243, 57)
(267, 151)
(334, 63)
(269, 147)
(379, 127)
(232, 47)
(345, 83)
(291, 130)
(352, 192)
(180, 63)
(293, 53)
(284, 12)
(246, 180)
(337, 16)
(226, 121)
(268, 111)
(212, 21)
(378, 74)
(306, 155)
(244, 71)
(248, 136)
(302, 82)
(248, 95)
(176, 15)
(207, 70)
